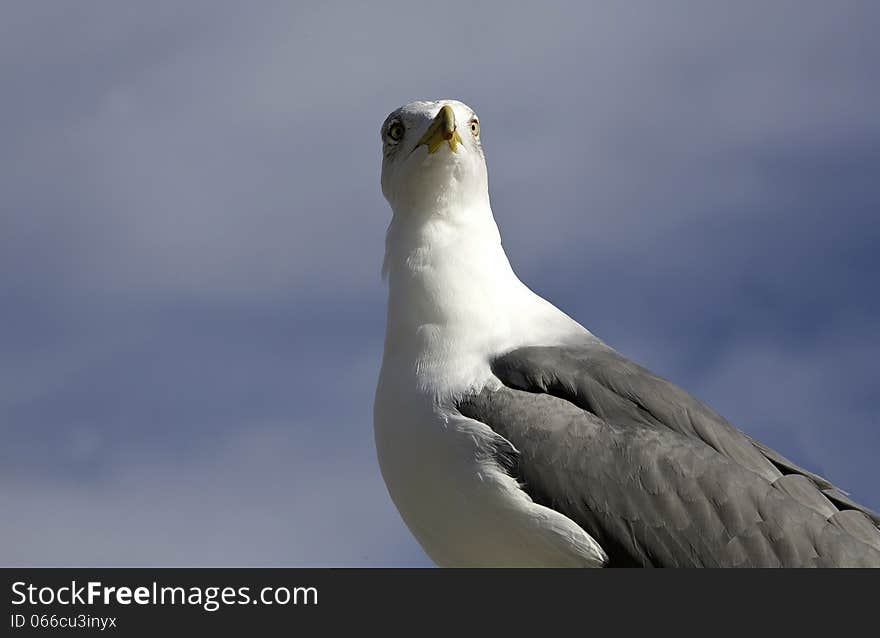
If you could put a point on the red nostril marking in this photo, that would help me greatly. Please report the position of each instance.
(447, 135)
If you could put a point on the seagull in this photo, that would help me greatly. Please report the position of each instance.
(508, 435)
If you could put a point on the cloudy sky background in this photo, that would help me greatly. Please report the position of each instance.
(191, 233)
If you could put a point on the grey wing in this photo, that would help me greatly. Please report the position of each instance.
(657, 477)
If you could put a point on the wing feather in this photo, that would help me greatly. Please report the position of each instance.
(657, 477)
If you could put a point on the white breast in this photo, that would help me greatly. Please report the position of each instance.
(454, 301)
(461, 507)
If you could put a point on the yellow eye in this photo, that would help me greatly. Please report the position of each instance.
(395, 131)
(475, 127)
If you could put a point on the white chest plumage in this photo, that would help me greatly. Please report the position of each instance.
(457, 501)
(464, 509)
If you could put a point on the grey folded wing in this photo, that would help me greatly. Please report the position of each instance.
(656, 476)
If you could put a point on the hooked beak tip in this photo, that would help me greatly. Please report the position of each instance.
(442, 129)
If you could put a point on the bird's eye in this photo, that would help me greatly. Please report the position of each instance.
(395, 132)
(475, 127)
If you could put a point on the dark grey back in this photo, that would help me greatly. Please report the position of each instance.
(656, 476)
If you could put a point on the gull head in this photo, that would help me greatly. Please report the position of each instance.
(432, 158)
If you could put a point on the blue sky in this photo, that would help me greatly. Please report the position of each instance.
(192, 232)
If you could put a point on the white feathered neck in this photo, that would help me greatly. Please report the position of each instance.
(454, 300)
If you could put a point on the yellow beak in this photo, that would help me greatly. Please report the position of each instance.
(442, 129)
